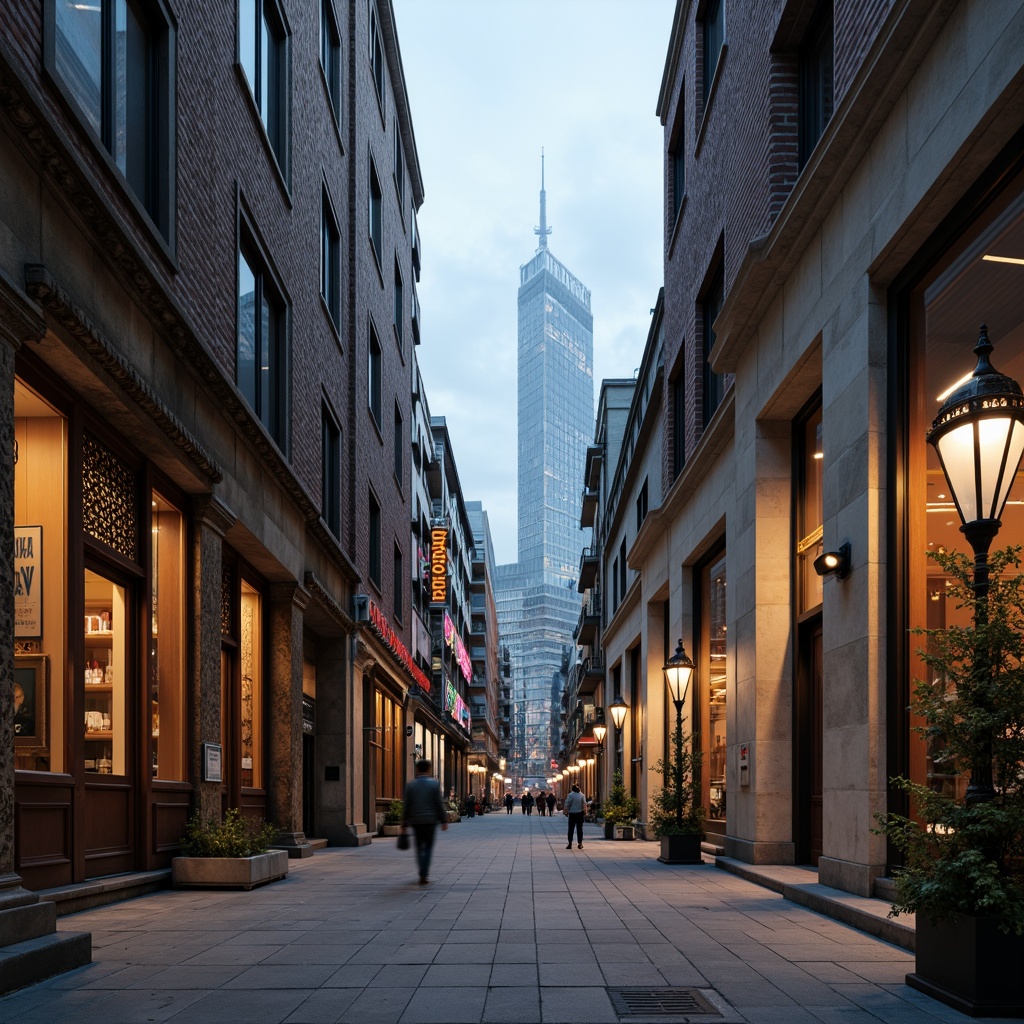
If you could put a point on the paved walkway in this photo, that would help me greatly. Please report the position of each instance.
(513, 928)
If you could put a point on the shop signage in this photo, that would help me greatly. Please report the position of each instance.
(28, 582)
(382, 628)
(439, 565)
(457, 707)
(454, 641)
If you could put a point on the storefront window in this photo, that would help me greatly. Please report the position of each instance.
(388, 747)
(104, 675)
(979, 280)
(715, 669)
(167, 642)
(809, 514)
(40, 565)
(251, 703)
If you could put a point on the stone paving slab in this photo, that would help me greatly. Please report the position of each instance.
(512, 929)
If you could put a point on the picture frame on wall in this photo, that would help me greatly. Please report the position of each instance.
(31, 692)
(28, 582)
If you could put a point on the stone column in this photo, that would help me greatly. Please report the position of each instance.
(23, 916)
(211, 519)
(283, 715)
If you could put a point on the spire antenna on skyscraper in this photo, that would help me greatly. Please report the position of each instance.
(543, 231)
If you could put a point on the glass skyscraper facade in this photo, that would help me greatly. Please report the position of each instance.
(538, 605)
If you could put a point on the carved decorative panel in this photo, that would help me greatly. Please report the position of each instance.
(226, 592)
(109, 507)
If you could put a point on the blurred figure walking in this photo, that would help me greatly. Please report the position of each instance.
(423, 808)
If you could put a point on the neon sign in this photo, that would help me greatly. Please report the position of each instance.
(439, 565)
(454, 641)
(382, 628)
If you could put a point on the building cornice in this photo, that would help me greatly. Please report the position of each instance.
(323, 597)
(394, 58)
(20, 319)
(672, 59)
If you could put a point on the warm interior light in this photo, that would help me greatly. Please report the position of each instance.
(1004, 259)
(819, 455)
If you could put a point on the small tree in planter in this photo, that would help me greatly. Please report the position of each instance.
(620, 808)
(963, 871)
(392, 824)
(676, 818)
(234, 853)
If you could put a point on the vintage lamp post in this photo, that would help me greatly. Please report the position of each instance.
(678, 670)
(618, 709)
(978, 435)
(600, 731)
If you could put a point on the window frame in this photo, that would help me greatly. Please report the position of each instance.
(330, 258)
(375, 214)
(399, 442)
(815, 102)
(271, 99)
(156, 201)
(712, 383)
(398, 313)
(398, 565)
(330, 469)
(266, 286)
(374, 380)
(330, 56)
(712, 18)
(377, 63)
(374, 540)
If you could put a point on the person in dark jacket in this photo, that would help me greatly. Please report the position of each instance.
(423, 808)
(470, 804)
(530, 801)
(551, 804)
(575, 807)
(542, 805)
(509, 801)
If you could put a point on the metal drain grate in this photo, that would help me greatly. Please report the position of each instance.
(659, 1002)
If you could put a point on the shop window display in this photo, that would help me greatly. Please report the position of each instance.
(715, 668)
(103, 675)
(251, 703)
(980, 279)
(40, 563)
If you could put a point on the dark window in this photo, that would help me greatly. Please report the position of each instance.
(263, 54)
(398, 583)
(374, 566)
(330, 470)
(377, 57)
(713, 382)
(115, 61)
(330, 259)
(399, 168)
(330, 55)
(376, 214)
(399, 443)
(678, 157)
(817, 67)
(399, 312)
(375, 383)
(615, 585)
(622, 572)
(641, 505)
(713, 37)
(678, 426)
(261, 356)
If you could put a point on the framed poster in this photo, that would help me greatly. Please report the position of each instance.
(212, 762)
(31, 689)
(28, 582)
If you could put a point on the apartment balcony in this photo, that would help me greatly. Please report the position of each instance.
(592, 470)
(592, 676)
(590, 562)
(585, 633)
(588, 507)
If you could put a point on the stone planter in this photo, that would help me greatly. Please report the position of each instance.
(390, 830)
(625, 832)
(229, 872)
(609, 830)
(681, 849)
(967, 963)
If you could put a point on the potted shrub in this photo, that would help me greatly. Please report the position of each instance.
(963, 859)
(229, 854)
(676, 818)
(620, 810)
(392, 825)
(454, 811)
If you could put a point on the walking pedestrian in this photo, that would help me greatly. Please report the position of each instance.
(470, 804)
(423, 807)
(551, 804)
(541, 803)
(523, 801)
(509, 801)
(575, 807)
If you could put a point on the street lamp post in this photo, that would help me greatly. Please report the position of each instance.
(600, 731)
(678, 670)
(618, 708)
(978, 435)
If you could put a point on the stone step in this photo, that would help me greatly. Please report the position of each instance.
(25, 963)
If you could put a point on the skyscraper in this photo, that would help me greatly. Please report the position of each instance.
(538, 605)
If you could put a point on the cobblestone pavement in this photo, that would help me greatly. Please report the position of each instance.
(512, 928)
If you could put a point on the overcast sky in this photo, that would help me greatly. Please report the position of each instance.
(490, 82)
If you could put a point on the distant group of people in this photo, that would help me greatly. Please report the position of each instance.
(544, 802)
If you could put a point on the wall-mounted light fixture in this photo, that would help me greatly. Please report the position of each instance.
(834, 563)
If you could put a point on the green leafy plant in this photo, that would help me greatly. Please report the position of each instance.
(393, 815)
(962, 857)
(620, 808)
(675, 809)
(235, 836)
